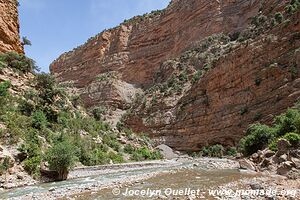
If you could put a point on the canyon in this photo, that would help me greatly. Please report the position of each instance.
(252, 81)
(9, 27)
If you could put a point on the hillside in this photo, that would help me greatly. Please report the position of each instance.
(197, 71)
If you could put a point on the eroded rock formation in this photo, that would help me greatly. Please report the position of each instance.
(9, 27)
(242, 81)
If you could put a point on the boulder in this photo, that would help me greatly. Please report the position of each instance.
(167, 152)
(255, 158)
(247, 165)
(284, 168)
(296, 162)
(283, 147)
(269, 154)
(282, 158)
(266, 162)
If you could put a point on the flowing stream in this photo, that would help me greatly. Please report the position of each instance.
(182, 175)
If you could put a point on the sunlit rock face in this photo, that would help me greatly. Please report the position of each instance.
(110, 68)
(9, 27)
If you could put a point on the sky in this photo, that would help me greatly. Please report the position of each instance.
(57, 26)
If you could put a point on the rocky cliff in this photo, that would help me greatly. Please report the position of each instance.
(136, 48)
(9, 27)
(192, 85)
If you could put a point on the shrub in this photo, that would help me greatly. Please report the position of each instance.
(61, 158)
(18, 62)
(287, 122)
(197, 76)
(232, 151)
(5, 165)
(4, 86)
(213, 151)
(293, 138)
(25, 41)
(278, 17)
(32, 165)
(128, 148)
(98, 112)
(258, 138)
(144, 153)
(273, 145)
(116, 158)
(39, 120)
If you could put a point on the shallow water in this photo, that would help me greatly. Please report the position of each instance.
(184, 180)
(184, 175)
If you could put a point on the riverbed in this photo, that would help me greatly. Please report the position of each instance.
(179, 178)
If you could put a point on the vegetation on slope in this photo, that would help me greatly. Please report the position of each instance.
(45, 120)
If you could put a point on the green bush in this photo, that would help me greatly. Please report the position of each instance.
(232, 151)
(293, 138)
(32, 165)
(5, 165)
(61, 158)
(258, 138)
(213, 151)
(98, 112)
(26, 41)
(287, 122)
(128, 148)
(273, 145)
(278, 17)
(39, 120)
(197, 76)
(4, 86)
(144, 153)
(18, 62)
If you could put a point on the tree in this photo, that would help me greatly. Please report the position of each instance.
(26, 41)
(61, 158)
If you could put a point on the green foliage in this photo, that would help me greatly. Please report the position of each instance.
(62, 156)
(26, 41)
(144, 153)
(32, 148)
(213, 151)
(18, 62)
(293, 138)
(258, 137)
(197, 76)
(273, 145)
(278, 17)
(98, 112)
(4, 86)
(287, 122)
(39, 120)
(128, 148)
(231, 151)
(5, 165)
(32, 166)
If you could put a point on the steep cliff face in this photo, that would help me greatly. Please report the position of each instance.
(136, 48)
(188, 93)
(9, 27)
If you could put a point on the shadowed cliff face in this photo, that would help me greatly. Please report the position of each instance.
(9, 27)
(239, 82)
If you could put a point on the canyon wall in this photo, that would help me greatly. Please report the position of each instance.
(136, 48)
(251, 80)
(9, 27)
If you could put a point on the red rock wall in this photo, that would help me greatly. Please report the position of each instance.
(9, 27)
(135, 50)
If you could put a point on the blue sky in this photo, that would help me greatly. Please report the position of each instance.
(57, 26)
